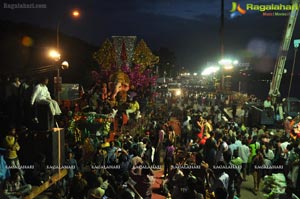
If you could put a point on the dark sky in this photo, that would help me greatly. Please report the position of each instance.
(190, 28)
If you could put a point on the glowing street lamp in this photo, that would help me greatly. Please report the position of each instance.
(75, 14)
(228, 64)
(54, 54)
(210, 70)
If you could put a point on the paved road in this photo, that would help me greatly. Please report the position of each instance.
(246, 189)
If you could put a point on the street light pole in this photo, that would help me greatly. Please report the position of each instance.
(222, 43)
(222, 29)
(58, 79)
(75, 14)
(57, 35)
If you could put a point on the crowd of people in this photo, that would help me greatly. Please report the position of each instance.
(209, 156)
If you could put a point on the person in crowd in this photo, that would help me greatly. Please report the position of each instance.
(232, 145)
(100, 156)
(253, 146)
(221, 177)
(95, 191)
(134, 106)
(254, 132)
(283, 153)
(111, 153)
(78, 154)
(25, 92)
(235, 179)
(186, 127)
(72, 168)
(136, 159)
(288, 126)
(234, 109)
(244, 153)
(124, 162)
(12, 147)
(210, 149)
(169, 158)
(12, 99)
(4, 170)
(127, 189)
(78, 187)
(144, 180)
(268, 157)
(293, 163)
(223, 147)
(40, 173)
(261, 131)
(149, 153)
(208, 126)
(257, 163)
(13, 186)
(268, 106)
(160, 143)
(171, 134)
(41, 95)
(191, 188)
(171, 186)
(94, 99)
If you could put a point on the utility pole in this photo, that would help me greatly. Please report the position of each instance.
(222, 29)
(222, 44)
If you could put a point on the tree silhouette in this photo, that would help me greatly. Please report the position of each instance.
(143, 56)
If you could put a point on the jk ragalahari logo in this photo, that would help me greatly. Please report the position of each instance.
(237, 10)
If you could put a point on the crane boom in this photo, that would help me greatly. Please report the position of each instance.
(280, 62)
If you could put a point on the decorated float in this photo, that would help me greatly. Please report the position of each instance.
(123, 76)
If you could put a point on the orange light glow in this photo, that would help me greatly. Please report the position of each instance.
(76, 13)
(27, 41)
(54, 55)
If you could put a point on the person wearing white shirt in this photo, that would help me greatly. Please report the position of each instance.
(41, 95)
(222, 178)
(268, 107)
(268, 157)
(244, 153)
(284, 151)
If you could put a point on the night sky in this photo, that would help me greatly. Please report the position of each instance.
(190, 28)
